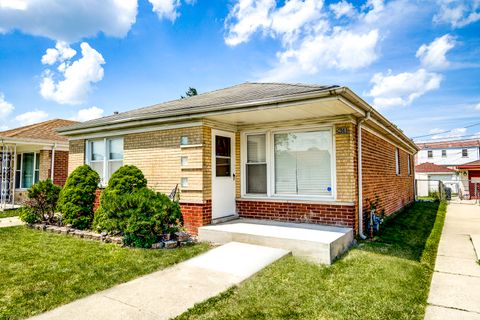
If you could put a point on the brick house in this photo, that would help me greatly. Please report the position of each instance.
(29, 154)
(258, 150)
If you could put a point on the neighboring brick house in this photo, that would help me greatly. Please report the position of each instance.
(258, 150)
(29, 154)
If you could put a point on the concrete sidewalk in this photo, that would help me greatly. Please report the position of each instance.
(10, 222)
(170, 292)
(455, 288)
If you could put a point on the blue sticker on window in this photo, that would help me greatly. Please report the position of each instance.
(329, 189)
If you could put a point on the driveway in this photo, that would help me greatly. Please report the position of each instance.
(455, 288)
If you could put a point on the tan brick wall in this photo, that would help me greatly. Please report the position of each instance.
(345, 151)
(158, 155)
(238, 167)
(76, 155)
(379, 174)
(45, 164)
(207, 163)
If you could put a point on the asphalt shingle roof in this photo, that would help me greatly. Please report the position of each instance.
(39, 131)
(253, 92)
(431, 167)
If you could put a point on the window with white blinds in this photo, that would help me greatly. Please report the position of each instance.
(296, 163)
(303, 163)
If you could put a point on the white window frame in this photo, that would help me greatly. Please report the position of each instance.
(409, 165)
(429, 152)
(465, 149)
(397, 161)
(106, 160)
(271, 164)
(20, 180)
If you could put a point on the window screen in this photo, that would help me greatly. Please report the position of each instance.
(256, 167)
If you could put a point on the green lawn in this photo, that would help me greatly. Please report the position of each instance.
(40, 271)
(386, 279)
(8, 213)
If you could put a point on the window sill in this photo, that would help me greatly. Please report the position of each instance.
(295, 200)
(186, 146)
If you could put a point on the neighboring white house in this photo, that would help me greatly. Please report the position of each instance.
(448, 153)
(428, 175)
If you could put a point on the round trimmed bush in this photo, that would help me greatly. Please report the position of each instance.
(78, 196)
(126, 179)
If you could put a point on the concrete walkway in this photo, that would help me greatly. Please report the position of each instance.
(10, 222)
(455, 288)
(170, 292)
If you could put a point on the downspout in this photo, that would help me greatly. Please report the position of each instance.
(52, 167)
(360, 175)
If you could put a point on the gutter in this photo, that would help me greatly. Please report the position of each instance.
(360, 175)
(52, 166)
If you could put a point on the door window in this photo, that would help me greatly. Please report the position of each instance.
(223, 156)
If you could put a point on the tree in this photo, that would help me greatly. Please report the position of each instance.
(190, 93)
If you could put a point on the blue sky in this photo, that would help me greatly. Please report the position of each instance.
(418, 62)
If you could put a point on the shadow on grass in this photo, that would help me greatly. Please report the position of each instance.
(406, 235)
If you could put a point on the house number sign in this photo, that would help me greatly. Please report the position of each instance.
(342, 130)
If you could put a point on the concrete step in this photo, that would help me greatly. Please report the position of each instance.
(317, 243)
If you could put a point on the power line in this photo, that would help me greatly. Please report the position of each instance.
(447, 131)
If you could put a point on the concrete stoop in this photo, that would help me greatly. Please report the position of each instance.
(317, 243)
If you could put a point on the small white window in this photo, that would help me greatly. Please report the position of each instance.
(430, 153)
(465, 153)
(27, 170)
(184, 141)
(409, 166)
(184, 182)
(444, 153)
(184, 161)
(105, 156)
(256, 167)
(397, 161)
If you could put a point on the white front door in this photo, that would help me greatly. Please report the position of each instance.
(223, 174)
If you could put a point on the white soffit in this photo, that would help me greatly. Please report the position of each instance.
(306, 110)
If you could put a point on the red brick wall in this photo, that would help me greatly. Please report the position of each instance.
(96, 203)
(379, 175)
(60, 169)
(196, 215)
(330, 214)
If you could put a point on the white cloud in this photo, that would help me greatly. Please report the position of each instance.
(88, 114)
(310, 43)
(60, 53)
(166, 8)
(342, 8)
(401, 89)
(457, 13)
(31, 117)
(341, 50)
(68, 20)
(477, 107)
(432, 56)
(245, 18)
(5, 107)
(78, 77)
